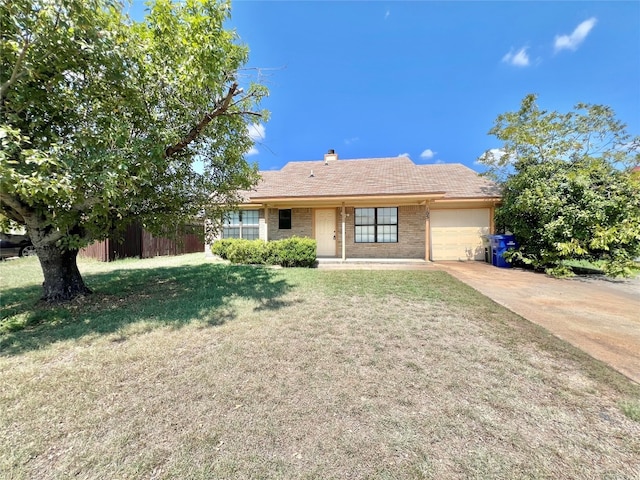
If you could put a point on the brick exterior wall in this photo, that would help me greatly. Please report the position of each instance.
(411, 232)
(301, 224)
(262, 226)
(411, 236)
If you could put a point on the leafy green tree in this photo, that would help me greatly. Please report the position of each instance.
(102, 119)
(568, 188)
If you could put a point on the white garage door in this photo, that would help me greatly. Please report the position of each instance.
(456, 234)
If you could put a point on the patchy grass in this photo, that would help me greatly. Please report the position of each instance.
(632, 409)
(131, 294)
(180, 368)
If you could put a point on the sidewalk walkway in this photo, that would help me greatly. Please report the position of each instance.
(373, 264)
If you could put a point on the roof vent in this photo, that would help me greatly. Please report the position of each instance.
(330, 156)
(312, 175)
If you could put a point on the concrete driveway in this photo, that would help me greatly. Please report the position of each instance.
(599, 316)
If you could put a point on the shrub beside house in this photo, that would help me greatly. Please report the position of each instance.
(289, 252)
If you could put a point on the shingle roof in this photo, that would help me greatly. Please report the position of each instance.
(377, 176)
(459, 181)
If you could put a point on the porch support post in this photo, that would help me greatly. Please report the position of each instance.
(266, 222)
(427, 232)
(343, 233)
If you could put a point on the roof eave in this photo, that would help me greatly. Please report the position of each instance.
(327, 200)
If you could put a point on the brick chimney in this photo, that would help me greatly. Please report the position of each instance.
(330, 156)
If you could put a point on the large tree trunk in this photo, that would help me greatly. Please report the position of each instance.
(62, 279)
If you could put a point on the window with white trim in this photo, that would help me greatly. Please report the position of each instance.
(376, 225)
(242, 224)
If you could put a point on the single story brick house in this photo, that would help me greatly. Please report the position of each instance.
(371, 208)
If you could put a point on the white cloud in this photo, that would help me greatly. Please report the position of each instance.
(493, 154)
(387, 13)
(349, 141)
(256, 131)
(403, 154)
(428, 154)
(257, 134)
(517, 59)
(497, 153)
(573, 41)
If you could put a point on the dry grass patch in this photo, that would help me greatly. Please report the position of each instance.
(256, 373)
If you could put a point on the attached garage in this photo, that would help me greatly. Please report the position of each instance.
(456, 234)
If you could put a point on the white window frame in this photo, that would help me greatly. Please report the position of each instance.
(236, 222)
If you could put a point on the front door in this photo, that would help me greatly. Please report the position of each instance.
(326, 232)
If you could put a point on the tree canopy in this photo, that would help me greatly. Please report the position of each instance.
(102, 118)
(568, 188)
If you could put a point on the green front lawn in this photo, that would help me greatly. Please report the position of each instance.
(178, 367)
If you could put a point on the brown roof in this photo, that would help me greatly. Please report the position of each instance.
(459, 181)
(377, 176)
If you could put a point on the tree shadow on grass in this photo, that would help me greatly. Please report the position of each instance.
(173, 296)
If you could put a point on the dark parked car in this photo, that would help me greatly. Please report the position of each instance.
(12, 245)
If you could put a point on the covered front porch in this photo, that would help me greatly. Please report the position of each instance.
(387, 229)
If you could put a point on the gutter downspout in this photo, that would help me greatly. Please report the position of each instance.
(343, 234)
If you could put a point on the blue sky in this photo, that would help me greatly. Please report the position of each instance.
(427, 79)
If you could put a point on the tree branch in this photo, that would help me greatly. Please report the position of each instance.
(85, 205)
(16, 73)
(13, 208)
(221, 108)
(255, 114)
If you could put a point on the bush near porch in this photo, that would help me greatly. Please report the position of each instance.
(289, 252)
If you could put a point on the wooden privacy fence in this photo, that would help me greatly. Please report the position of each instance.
(158, 246)
(136, 242)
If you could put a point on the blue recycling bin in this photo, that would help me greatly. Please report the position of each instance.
(494, 243)
(499, 245)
